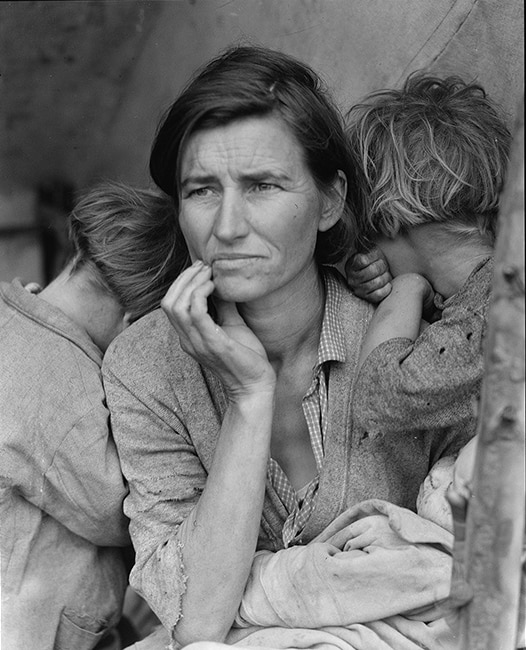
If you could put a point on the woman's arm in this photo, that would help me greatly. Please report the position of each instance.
(380, 560)
(219, 537)
(216, 539)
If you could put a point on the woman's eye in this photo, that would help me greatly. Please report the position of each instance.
(199, 192)
(265, 187)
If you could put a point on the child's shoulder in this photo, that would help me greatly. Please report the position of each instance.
(475, 294)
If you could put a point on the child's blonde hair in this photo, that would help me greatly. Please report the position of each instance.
(435, 151)
(127, 238)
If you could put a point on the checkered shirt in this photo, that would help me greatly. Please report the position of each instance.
(300, 504)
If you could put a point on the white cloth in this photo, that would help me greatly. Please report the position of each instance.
(375, 578)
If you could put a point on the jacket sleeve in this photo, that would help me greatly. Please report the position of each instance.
(166, 478)
(404, 567)
(430, 383)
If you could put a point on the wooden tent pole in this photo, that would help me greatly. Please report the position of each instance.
(495, 521)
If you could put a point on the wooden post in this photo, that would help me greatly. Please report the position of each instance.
(495, 524)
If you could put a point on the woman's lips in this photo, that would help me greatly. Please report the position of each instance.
(226, 262)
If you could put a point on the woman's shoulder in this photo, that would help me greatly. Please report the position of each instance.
(151, 343)
(352, 309)
(147, 363)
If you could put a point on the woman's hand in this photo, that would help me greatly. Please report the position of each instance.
(219, 536)
(374, 530)
(368, 275)
(228, 348)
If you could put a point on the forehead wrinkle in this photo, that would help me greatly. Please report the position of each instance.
(213, 152)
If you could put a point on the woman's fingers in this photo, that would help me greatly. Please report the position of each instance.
(185, 279)
(228, 347)
(182, 296)
(347, 537)
(373, 530)
(186, 304)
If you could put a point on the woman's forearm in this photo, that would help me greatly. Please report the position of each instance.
(220, 536)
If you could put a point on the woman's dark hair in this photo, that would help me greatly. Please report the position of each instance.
(254, 81)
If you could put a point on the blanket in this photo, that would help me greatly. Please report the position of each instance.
(377, 578)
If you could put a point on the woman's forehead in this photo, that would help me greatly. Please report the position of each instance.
(251, 144)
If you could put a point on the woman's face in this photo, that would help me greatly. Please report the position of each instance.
(250, 207)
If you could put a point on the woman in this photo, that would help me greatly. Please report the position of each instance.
(231, 408)
(64, 534)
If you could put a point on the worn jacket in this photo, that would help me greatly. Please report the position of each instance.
(166, 415)
(61, 488)
(432, 383)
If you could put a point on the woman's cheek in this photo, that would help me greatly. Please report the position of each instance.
(192, 242)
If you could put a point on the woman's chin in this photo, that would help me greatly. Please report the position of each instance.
(234, 291)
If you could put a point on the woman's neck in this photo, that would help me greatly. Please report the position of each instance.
(288, 324)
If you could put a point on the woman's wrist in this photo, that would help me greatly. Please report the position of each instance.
(257, 398)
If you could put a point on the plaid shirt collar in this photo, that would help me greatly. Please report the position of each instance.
(331, 346)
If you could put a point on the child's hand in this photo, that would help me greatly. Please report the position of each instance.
(368, 275)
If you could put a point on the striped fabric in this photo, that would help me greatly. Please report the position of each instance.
(300, 504)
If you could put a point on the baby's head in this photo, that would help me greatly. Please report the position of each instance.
(448, 473)
(434, 152)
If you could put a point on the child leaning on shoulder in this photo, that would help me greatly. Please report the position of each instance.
(434, 157)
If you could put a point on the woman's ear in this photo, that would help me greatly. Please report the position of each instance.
(333, 203)
(127, 319)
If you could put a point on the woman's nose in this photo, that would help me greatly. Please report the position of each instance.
(231, 217)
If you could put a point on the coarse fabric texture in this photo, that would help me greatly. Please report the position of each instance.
(404, 568)
(61, 488)
(388, 594)
(392, 594)
(166, 418)
(432, 383)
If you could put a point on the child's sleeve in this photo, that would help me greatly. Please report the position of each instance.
(430, 383)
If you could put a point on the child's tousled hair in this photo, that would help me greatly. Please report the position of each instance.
(126, 237)
(434, 151)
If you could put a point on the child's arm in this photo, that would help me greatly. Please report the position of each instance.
(368, 275)
(399, 315)
(409, 383)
